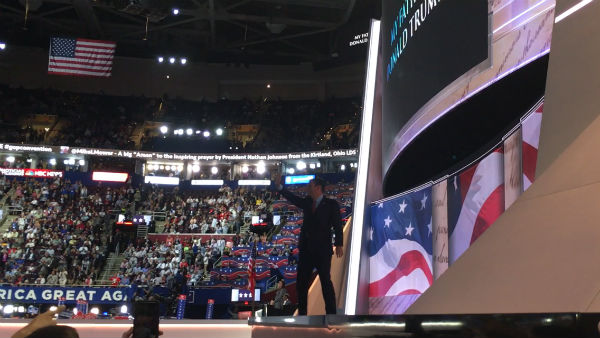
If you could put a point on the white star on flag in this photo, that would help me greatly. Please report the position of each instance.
(371, 233)
(402, 206)
(380, 205)
(409, 230)
(387, 221)
(423, 201)
(429, 227)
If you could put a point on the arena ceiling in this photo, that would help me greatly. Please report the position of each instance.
(228, 31)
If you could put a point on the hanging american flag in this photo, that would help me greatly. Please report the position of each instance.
(251, 273)
(531, 139)
(81, 57)
(475, 201)
(400, 252)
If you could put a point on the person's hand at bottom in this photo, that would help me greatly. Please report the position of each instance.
(40, 321)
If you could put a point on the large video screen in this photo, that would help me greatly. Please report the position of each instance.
(426, 45)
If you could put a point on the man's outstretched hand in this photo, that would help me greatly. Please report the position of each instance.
(40, 321)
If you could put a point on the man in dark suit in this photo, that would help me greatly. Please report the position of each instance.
(320, 215)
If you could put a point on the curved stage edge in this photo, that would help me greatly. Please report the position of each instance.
(531, 325)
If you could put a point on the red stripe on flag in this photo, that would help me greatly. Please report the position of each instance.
(103, 63)
(491, 209)
(464, 181)
(409, 262)
(529, 161)
(96, 41)
(87, 69)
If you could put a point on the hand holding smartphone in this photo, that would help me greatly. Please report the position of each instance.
(146, 318)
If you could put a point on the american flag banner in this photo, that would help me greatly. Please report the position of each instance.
(475, 201)
(251, 273)
(81, 57)
(400, 251)
(531, 138)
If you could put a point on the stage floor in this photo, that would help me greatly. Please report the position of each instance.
(548, 325)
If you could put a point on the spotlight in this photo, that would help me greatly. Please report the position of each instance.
(124, 309)
(196, 168)
(214, 170)
(198, 132)
(175, 11)
(174, 168)
(10, 159)
(72, 161)
(164, 129)
(171, 60)
(167, 167)
(29, 160)
(189, 131)
(2, 45)
(168, 76)
(95, 310)
(81, 162)
(161, 167)
(180, 168)
(319, 165)
(161, 59)
(312, 166)
(290, 171)
(183, 61)
(219, 131)
(245, 168)
(268, 85)
(8, 309)
(66, 162)
(343, 167)
(21, 309)
(260, 168)
(206, 133)
(52, 161)
(300, 165)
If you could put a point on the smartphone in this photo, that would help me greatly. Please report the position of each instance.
(145, 319)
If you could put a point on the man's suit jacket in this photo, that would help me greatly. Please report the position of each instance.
(315, 236)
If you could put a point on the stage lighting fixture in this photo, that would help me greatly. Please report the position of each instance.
(161, 59)
(198, 132)
(72, 161)
(161, 167)
(301, 165)
(66, 162)
(196, 168)
(312, 166)
(175, 11)
(95, 310)
(8, 309)
(124, 309)
(343, 167)
(82, 162)
(52, 161)
(10, 159)
(260, 168)
(164, 129)
(2, 46)
(268, 85)
(319, 165)
(291, 171)
(245, 168)
(168, 167)
(29, 160)
(219, 131)
(180, 167)
(206, 133)
(21, 309)
(214, 170)
(183, 61)
(168, 76)
(171, 60)
(189, 131)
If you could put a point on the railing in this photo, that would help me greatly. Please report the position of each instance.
(14, 210)
(270, 283)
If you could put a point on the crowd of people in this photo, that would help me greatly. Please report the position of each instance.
(106, 121)
(59, 236)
